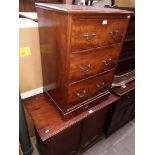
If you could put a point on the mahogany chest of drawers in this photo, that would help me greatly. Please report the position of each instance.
(80, 45)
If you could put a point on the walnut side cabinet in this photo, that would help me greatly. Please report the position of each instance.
(80, 46)
(66, 137)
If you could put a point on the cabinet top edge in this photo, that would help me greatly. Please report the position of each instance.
(75, 9)
(120, 91)
(46, 117)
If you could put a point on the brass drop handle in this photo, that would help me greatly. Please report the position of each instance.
(107, 62)
(81, 94)
(100, 86)
(113, 33)
(88, 37)
(85, 68)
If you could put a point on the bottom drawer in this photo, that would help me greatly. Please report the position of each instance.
(82, 91)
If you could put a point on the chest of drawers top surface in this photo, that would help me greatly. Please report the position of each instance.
(73, 9)
(80, 45)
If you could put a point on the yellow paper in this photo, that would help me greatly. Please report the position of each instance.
(24, 51)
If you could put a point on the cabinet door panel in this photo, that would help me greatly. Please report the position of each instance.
(92, 127)
(68, 141)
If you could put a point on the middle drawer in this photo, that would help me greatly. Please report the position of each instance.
(91, 63)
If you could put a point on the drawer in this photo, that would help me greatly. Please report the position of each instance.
(88, 64)
(79, 92)
(92, 33)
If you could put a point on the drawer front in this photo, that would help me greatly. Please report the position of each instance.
(92, 33)
(77, 93)
(89, 64)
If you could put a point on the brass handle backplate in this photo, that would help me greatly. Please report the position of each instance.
(113, 33)
(81, 93)
(85, 67)
(107, 61)
(101, 85)
(88, 37)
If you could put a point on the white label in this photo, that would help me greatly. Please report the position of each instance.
(123, 85)
(46, 131)
(104, 22)
(90, 111)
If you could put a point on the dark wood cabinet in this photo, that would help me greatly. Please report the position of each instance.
(66, 137)
(29, 5)
(85, 45)
(126, 61)
(66, 142)
(123, 110)
(93, 127)
(127, 57)
(68, 145)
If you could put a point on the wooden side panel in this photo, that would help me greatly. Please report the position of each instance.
(53, 41)
(46, 147)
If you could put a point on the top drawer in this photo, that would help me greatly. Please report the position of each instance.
(92, 33)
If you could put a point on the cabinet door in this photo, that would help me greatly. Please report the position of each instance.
(92, 127)
(120, 113)
(67, 142)
(122, 117)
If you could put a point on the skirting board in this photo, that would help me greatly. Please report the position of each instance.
(35, 91)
